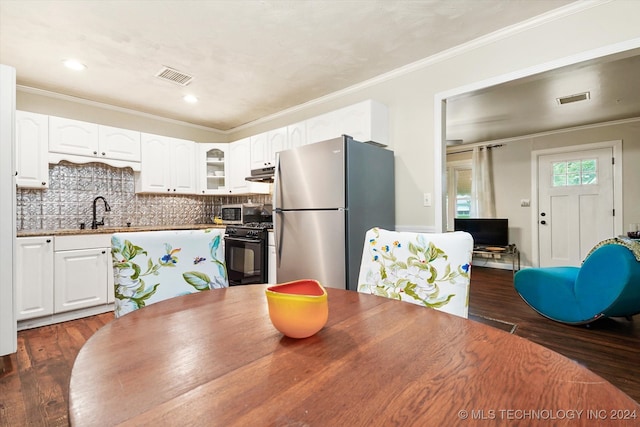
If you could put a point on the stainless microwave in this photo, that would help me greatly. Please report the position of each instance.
(232, 214)
(245, 213)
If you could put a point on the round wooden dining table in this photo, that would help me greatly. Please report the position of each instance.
(213, 358)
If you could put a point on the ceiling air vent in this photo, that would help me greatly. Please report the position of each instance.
(174, 76)
(573, 98)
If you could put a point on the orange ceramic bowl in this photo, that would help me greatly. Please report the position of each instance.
(298, 309)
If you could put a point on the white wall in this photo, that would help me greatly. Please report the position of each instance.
(512, 176)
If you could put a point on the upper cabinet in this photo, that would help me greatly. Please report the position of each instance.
(81, 142)
(73, 137)
(265, 146)
(166, 166)
(212, 168)
(116, 143)
(297, 135)
(365, 121)
(32, 162)
(240, 168)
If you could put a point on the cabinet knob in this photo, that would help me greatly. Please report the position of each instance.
(168, 189)
(174, 189)
(44, 183)
(48, 240)
(104, 252)
(95, 152)
(104, 154)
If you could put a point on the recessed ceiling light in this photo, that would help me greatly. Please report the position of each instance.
(190, 99)
(74, 65)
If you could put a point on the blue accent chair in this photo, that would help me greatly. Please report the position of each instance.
(606, 285)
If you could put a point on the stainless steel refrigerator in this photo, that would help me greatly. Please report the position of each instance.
(326, 196)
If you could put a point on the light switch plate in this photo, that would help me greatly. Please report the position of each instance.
(426, 201)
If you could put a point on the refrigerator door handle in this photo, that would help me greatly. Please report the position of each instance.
(278, 239)
(277, 191)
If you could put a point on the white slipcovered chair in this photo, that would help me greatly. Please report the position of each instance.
(429, 269)
(152, 266)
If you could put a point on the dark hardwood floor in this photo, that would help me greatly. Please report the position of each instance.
(35, 382)
(609, 347)
(35, 385)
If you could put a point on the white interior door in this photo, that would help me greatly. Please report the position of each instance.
(575, 204)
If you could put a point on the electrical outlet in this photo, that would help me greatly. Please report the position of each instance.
(525, 203)
(426, 201)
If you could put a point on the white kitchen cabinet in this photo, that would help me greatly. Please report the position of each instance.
(212, 168)
(83, 272)
(364, 121)
(265, 146)
(240, 168)
(297, 135)
(34, 277)
(167, 165)
(322, 127)
(32, 151)
(83, 142)
(183, 178)
(258, 153)
(74, 280)
(116, 143)
(272, 266)
(73, 137)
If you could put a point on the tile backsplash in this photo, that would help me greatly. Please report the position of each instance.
(68, 201)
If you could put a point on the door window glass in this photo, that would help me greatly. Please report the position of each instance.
(458, 200)
(575, 172)
(463, 193)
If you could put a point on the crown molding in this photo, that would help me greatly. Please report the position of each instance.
(78, 100)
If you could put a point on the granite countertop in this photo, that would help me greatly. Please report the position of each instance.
(110, 230)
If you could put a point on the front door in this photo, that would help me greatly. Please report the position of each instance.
(576, 206)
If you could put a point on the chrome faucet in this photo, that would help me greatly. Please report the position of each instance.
(107, 208)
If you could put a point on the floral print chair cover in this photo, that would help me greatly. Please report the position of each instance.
(427, 269)
(152, 266)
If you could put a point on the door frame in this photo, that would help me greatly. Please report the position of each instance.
(440, 111)
(616, 146)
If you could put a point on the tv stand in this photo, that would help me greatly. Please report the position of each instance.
(510, 251)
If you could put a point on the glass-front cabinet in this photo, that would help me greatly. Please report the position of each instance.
(213, 168)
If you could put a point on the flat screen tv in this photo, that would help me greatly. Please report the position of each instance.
(485, 231)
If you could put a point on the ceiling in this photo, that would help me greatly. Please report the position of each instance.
(252, 58)
(529, 105)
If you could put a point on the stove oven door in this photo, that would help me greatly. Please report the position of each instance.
(246, 260)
